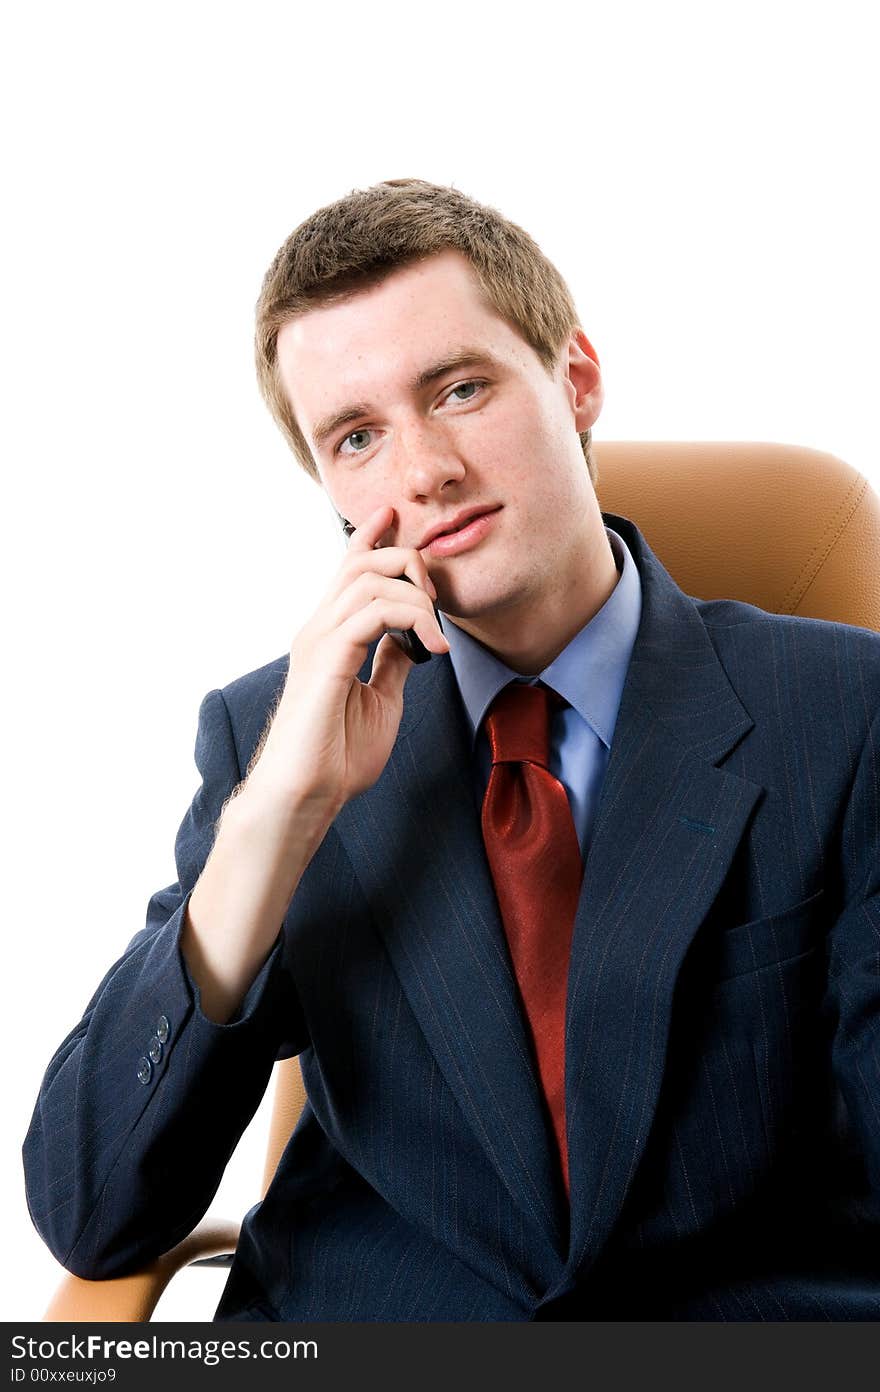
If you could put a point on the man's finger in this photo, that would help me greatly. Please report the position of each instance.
(391, 667)
(364, 537)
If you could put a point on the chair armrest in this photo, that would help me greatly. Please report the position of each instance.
(134, 1298)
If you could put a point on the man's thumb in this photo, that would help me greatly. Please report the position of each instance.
(391, 667)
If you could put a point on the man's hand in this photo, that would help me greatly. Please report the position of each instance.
(330, 738)
(332, 734)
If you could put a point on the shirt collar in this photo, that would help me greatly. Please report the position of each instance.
(589, 672)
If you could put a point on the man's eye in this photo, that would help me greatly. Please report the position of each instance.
(354, 436)
(465, 386)
(360, 439)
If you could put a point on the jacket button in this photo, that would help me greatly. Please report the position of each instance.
(155, 1049)
(163, 1029)
(145, 1070)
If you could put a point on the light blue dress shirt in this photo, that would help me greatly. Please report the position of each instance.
(589, 673)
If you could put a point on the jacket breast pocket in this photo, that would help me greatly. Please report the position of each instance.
(746, 1063)
(771, 941)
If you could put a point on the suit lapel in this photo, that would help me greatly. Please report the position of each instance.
(416, 844)
(667, 827)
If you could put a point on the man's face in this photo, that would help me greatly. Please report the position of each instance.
(394, 415)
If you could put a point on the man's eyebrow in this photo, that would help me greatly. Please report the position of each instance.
(465, 357)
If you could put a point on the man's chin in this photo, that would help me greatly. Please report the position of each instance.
(473, 601)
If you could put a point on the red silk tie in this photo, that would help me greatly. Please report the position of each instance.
(535, 859)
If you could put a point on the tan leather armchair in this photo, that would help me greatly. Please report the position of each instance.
(790, 529)
(135, 1297)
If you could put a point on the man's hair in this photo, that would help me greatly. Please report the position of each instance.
(354, 243)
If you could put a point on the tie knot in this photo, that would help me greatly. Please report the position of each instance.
(518, 724)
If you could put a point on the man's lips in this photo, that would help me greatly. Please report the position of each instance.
(470, 534)
(456, 523)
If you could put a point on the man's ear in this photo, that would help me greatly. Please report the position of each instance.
(583, 379)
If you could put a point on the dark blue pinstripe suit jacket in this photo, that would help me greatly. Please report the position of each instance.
(723, 1019)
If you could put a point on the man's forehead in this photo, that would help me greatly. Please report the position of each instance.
(437, 297)
(349, 349)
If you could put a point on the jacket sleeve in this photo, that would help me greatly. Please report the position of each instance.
(145, 1100)
(854, 961)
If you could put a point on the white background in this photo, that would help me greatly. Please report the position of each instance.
(705, 179)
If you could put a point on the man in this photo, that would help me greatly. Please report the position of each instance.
(574, 926)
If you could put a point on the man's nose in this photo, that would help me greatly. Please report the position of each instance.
(427, 459)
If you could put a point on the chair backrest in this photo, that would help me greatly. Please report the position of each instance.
(288, 1102)
(790, 529)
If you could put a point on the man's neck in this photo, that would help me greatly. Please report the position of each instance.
(527, 642)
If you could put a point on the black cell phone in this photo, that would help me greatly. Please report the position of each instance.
(406, 638)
